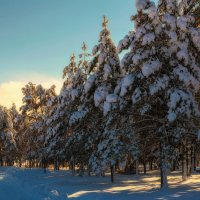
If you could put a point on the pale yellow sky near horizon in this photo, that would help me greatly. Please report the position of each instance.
(10, 92)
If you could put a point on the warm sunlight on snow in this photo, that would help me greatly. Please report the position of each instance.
(144, 184)
(81, 193)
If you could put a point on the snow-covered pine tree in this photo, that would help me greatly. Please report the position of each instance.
(103, 69)
(57, 123)
(33, 110)
(7, 140)
(184, 47)
(49, 104)
(60, 133)
(161, 73)
(18, 125)
(103, 72)
(78, 155)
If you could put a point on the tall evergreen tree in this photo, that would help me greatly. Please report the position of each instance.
(33, 110)
(103, 72)
(7, 140)
(162, 69)
(60, 133)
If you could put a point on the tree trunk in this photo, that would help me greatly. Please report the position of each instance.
(173, 165)
(193, 160)
(56, 164)
(44, 165)
(1, 162)
(184, 161)
(81, 169)
(73, 167)
(103, 173)
(30, 163)
(151, 165)
(189, 158)
(163, 175)
(112, 173)
(145, 167)
(163, 170)
(20, 163)
(89, 171)
(137, 167)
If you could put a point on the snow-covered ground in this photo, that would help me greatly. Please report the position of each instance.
(33, 184)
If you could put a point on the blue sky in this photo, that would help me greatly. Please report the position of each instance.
(38, 36)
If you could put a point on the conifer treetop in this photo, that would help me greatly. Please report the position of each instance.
(105, 22)
(84, 47)
(84, 58)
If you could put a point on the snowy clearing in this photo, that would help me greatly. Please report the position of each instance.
(33, 184)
